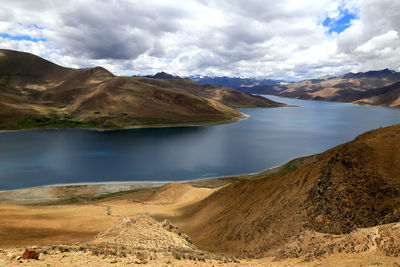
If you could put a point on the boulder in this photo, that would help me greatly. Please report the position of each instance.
(30, 253)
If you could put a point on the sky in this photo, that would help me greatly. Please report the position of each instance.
(286, 39)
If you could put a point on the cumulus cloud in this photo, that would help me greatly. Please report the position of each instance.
(117, 30)
(286, 39)
(373, 41)
(377, 44)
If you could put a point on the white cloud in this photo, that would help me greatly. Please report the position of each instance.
(380, 43)
(277, 39)
(372, 42)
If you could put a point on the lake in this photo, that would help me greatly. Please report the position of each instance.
(270, 137)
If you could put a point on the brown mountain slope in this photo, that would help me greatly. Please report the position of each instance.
(360, 88)
(127, 103)
(36, 93)
(354, 185)
(225, 95)
(22, 78)
(23, 70)
(385, 96)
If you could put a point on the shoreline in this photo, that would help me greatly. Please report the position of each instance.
(141, 126)
(83, 193)
(137, 183)
(144, 182)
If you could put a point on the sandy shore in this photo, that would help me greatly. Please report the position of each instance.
(71, 193)
(87, 191)
(84, 192)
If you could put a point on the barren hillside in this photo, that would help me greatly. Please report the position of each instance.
(354, 185)
(36, 93)
(225, 95)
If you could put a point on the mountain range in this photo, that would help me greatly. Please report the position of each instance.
(366, 88)
(226, 95)
(36, 93)
(237, 83)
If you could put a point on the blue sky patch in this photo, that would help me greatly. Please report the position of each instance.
(341, 23)
(22, 38)
(36, 27)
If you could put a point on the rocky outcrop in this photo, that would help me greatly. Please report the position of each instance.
(310, 245)
(142, 232)
(174, 229)
(349, 195)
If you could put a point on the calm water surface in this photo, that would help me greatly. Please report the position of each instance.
(268, 138)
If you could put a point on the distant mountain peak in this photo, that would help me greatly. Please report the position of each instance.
(384, 73)
(238, 83)
(164, 75)
(99, 70)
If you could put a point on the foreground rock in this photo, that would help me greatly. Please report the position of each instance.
(30, 254)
